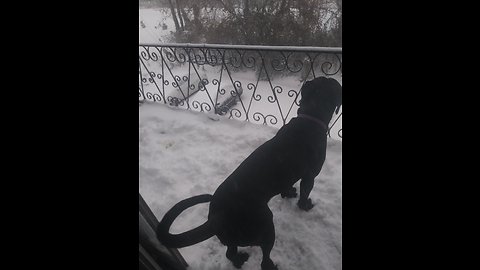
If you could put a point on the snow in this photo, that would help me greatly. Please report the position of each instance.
(185, 153)
(150, 25)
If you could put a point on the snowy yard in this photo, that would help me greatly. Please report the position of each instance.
(186, 153)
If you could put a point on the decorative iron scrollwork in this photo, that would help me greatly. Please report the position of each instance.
(211, 77)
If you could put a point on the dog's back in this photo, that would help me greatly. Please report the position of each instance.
(298, 148)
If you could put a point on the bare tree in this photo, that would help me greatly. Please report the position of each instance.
(174, 16)
(272, 22)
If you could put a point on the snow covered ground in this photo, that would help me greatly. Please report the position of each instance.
(186, 153)
(155, 25)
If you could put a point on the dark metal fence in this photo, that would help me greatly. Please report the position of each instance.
(259, 84)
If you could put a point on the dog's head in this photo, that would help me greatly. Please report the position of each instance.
(321, 97)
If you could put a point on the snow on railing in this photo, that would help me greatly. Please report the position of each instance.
(259, 84)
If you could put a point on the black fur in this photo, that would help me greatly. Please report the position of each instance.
(239, 213)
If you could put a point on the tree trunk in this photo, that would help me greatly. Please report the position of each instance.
(179, 8)
(175, 20)
(185, 17)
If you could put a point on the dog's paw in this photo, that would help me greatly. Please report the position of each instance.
(290, 193)
(239, 259)
(305, 204)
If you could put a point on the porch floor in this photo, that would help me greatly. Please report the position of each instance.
(186, 153)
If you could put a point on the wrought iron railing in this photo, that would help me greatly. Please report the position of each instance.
(260, 84)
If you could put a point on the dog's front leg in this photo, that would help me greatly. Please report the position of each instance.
(306, 186)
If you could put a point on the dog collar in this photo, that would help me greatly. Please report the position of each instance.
(316, 120)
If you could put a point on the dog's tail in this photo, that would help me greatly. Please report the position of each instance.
(188, 238)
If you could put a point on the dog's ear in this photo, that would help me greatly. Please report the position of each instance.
(337, 90)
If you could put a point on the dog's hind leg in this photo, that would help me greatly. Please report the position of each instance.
(267, 245)
(237, 258)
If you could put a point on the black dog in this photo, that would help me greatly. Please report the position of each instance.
(239, 213)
